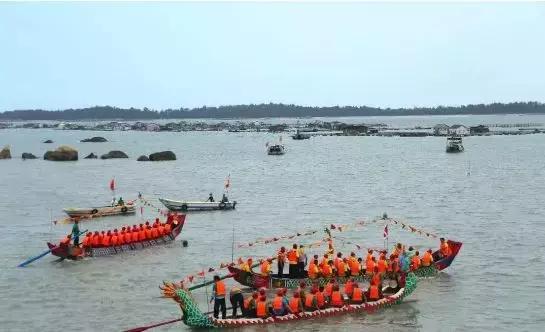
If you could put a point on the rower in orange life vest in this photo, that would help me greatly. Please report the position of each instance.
(249, 305)
(280, 303)
(415, 261)
(357, 295)
(141, 233)
(113, 239)
(370, 266)
(87, 241)
(427, 259)
(338, 259)
(295, 304)
(134, 234)
(311, 303)
(327, 270)
(444, 249)
(353, 265)
(336, 297)
(66, 241)
(218, 296)
(341, 267)
(329, 289)
(349, 287)
(369, 256)
(106, 240)
(313, 271)
(382, 265)
(261, 310)
(320, 298)
(374, 292)
(266, 267)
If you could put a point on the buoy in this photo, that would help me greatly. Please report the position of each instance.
(184, 243)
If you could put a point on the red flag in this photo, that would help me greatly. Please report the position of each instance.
(112, 185)
(190, 278)
(386, 231)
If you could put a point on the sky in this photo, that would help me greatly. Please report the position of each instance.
(172, 55)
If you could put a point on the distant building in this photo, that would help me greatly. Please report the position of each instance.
(441, 130)
(479, 130)
(459, 130)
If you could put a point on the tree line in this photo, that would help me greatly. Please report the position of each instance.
(265, 111)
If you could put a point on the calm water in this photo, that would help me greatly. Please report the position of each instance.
(497, 281)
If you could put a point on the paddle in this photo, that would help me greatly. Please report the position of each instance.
(144, 328)
(30, 260)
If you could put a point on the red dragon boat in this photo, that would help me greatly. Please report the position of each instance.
(75, 252)
(256, 280)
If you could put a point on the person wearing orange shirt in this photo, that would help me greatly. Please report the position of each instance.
(218, 296)
(311, 303)
(349, 287)
(106, 240)
(168, 229)
(427, 259)
(261, 308)
(370, 266)
(154, 232)
(147, 231)
(415, 261)
(293, 260)
(327, 270)
(336, 297)
(358, 296)
(266, 267)
(341, 268)
(141, 233)
(295, 304)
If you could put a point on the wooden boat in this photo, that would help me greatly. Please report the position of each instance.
(101, 211)
(173, 205)
(256, 280)
(73, 252)
(454, 144)
(195, 318)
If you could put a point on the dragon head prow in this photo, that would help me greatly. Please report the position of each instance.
(192, 315)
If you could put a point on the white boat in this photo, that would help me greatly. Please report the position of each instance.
(454, 144)
(174, 205)
(100, 211)
(275, 150)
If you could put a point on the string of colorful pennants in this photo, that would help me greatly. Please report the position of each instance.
(412, 229)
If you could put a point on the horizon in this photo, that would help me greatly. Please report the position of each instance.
(171, 55)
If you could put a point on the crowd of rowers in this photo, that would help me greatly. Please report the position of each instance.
(127, 235)
(333, 294)
(399, 259)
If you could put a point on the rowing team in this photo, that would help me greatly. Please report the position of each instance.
(127, 235)
(257, 305)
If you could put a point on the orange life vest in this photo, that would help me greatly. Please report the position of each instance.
(320, 300)
(106, 240)
(308, 300)
(373, 292)
(220, 288)
(415, 262)
(121, 238)
(95, 241)
(161, 229)
(375, 279)
(113, 240)
(348, 288)
(369, 258)
(326, 271)
(328, 289)
(445, 249)
(295, 305)
(167, 229)
(128, 237)
(265, 267)
(323, 262)
(370, 267)
(336, 299)
(147, 232)
(278, 303)
(312, 271)
(134, 236)
(357, 295)
(382, 266)
(292, 256)
(141, 234)
(87, 241)
(427, 259)
(247, 301)
(341, 269)
(65, 241)
(154, 233)
(261, 309)
(354, 268)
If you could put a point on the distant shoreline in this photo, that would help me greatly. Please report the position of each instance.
(259, 111)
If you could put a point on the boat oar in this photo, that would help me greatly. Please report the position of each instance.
(30, 260)
(144, 328)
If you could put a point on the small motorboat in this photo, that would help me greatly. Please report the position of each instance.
(454, 144)
(174, 205)
(101, 211)
(299, 136)
(275, 150)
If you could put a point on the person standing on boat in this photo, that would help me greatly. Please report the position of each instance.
(218, 296)
(75, 233)
(301, 262)
(237, 300)
(120, 202)
(210, 198)
(444, 249)
(224, 198)
(293, 260)
(113, 201)
(281, 259)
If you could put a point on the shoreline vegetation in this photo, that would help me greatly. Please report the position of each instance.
(271, 110)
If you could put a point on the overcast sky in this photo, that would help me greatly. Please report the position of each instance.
(171, 55)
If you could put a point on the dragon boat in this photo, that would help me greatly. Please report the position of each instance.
(256, 280)
(195, 318)
(75, 252)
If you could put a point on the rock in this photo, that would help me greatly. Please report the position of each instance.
(163, 155)
(96, 139)
(143, 158)
(5, 153)
(48, 141)
(114, 154)
(91, 156)
(27, 155)
(63, 153)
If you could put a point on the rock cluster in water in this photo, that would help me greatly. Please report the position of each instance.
(162, 156)
(48, 141)
(5, 153)
(114, 154)
(91, 156)
(143, 158)
(63, 153)
(96, 139)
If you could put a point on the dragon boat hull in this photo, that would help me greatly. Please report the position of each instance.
(193, 317)
(256, 280)
(74, 253)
